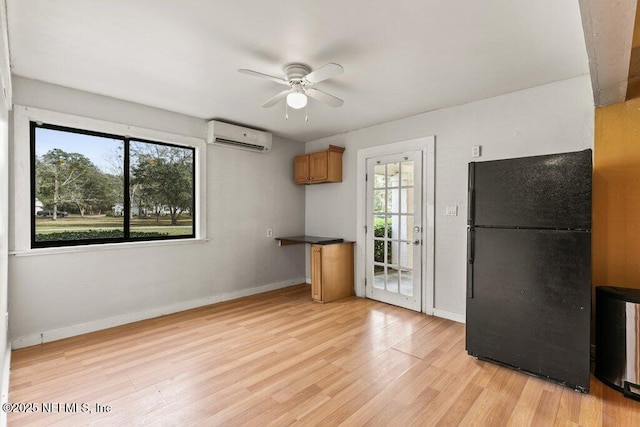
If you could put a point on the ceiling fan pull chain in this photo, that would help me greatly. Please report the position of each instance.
(306, 113)
(286, 111)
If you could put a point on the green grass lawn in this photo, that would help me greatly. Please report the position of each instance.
(76, 223)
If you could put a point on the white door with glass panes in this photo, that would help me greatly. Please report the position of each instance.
(394, 229)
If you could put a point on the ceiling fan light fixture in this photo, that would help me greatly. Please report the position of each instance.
(300, 78)
(297, 99)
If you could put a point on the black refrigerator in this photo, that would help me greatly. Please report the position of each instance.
(529, 265)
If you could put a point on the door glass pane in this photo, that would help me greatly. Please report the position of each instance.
(393, 174)
(406, 282)
(378, 250)
(393, 201)
(379, 176)
(406, 178)
(393, 226)
(379, 226)
(379, 201)
(393, 255)
(406, 254)
(406, 227)
(393, 279)
(378, 276)
(407, 200)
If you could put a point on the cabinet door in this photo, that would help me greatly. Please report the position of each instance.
(301, 169)
(337, 271)
(316, 272)
(319, 166)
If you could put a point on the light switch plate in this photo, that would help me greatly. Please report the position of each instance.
(476, 151)
(451, 210)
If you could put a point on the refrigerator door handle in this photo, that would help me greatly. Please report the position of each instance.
(470, 210)
(471, 200)
(470, 256)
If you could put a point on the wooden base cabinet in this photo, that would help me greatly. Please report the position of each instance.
(331, 271)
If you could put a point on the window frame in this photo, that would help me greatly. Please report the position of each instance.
(126, 167)
(21, 202)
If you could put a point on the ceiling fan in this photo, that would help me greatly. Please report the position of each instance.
(300, 80)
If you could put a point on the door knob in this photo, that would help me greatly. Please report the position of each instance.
(416, 242)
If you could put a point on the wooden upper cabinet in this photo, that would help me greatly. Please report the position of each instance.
(319, 167)
(301, 169)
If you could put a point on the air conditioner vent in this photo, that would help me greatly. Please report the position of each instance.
(239, 144)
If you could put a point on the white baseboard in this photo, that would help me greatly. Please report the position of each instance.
(456, 317)
(83, 328)
(307, 280)
(4, 393)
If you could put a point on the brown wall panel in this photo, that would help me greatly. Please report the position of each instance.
(616, 195)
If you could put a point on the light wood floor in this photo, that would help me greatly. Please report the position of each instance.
(280, 359)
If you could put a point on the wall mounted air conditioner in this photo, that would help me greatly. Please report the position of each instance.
(227, 135)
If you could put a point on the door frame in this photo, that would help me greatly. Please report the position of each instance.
(427, 146)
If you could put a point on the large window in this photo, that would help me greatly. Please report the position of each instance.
(90, 187)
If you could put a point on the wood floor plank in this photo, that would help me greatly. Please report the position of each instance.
(461, 406)
(313, 377)
(436, 335)
(342, 405)
(591, 405)
(415, 381)
(547, 408)
(569, 407)
(280, 359)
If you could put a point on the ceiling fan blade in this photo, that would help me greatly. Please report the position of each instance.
(264, 76)
(324, 72)
(321, 96)
(275, 99)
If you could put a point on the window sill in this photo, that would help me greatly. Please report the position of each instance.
(105, 247)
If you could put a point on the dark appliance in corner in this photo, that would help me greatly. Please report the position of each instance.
(529, 265)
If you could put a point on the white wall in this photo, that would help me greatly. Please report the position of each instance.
(4, 249)
(548, 119)
(60, 294)
(5, 105)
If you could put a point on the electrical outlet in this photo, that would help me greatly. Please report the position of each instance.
(269, 232)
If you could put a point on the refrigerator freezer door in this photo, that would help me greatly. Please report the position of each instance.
(531, 303)
(552, 191)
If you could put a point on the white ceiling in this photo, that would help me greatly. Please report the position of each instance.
(401, 57)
